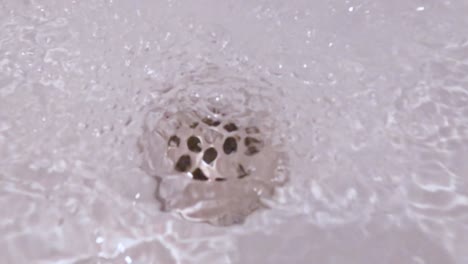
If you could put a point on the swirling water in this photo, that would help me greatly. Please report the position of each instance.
(369, 99)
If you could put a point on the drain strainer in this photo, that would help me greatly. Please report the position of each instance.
(211, 167)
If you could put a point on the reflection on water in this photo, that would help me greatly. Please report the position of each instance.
(368, 100)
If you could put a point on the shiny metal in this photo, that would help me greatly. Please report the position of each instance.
(215, 177)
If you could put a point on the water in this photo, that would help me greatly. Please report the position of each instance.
(368, 98)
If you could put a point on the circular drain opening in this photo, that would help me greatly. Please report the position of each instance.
(199, 175)
(223, 171)
(230, 127)
(193, 144)
(210, 155)
(253, 146)
(230, 145)
(174, 141)
(183, 163)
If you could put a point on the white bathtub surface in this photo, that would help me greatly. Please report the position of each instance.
(367, 99)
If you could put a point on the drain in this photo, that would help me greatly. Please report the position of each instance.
(218, 167)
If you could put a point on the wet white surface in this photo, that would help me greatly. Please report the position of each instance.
(370, 99)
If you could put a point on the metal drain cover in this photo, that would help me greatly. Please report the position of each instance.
(210, 167)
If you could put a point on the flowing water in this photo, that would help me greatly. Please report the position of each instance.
(360, 110)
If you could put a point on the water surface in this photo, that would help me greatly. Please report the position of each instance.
(368, 98)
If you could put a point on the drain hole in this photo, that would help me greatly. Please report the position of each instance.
(184, 163)
(230, 145)
(230, 127)
(193, 143)
(252, 130)
(215, 110)
(249, 141)
(241, 171)
(199, 175)
(252, 145)
(252, 150)
(210, 155)
(174, 141)
(211, 122)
